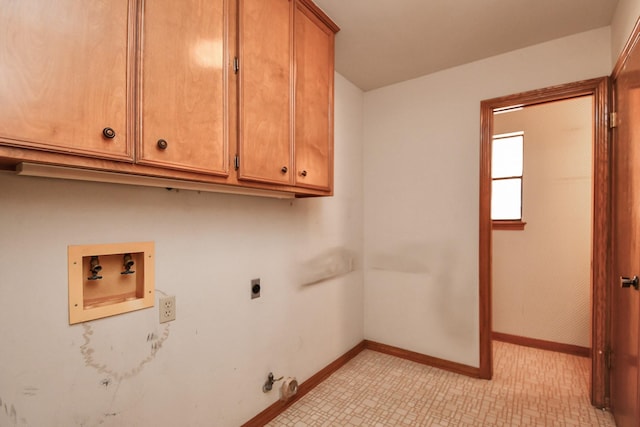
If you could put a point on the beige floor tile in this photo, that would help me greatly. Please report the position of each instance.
(530, 387)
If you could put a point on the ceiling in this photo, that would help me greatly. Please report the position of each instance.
(382, 42)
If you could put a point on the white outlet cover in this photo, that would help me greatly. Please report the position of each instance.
(167, 309)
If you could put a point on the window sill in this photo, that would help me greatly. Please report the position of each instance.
(515, 225)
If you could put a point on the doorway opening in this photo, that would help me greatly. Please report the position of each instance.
(541, 171)
(598, 89)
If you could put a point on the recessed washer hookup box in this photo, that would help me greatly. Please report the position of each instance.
(110, 279)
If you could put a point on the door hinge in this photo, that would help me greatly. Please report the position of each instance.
(236, 65)
(613, 120)
(236, 162)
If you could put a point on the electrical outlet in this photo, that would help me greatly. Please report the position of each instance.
(255, 288)
(167, 309)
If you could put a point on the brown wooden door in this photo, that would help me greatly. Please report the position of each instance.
(64, 75)
(184, 97)
(314, 43)
(265, 46)
(625, 301)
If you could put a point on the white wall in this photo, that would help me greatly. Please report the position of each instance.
(421, 167)
(541, 275)
(624, 19)
(212, 361)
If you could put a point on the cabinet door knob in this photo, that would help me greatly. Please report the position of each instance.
(108, 133)
(162, 144)
(303, 173)
(284, 169)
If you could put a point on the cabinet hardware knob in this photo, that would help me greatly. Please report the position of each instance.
(303, 173)
(162, 144)
(109, 133)
(284, 169)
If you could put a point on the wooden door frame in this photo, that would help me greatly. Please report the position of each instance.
(599, 89)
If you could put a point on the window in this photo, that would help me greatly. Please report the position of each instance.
(506, 175)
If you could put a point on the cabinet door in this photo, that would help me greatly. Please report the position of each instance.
(64, 68)
(265, 46)
(314, 53)
(184, 86)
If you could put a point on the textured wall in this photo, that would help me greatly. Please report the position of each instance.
(541, 275)
(207, 367)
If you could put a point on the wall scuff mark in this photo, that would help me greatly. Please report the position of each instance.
(91, 360)
(329, 264)
(30, 391)
(410, 257)
(9, 413)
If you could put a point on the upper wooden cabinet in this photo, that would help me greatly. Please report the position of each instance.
(184, 92)
(153, 88)
(265, 60)
(286, 93)
(65, 68)
(314, 53)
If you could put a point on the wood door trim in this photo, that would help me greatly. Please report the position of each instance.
(575, 350)
(599, 89)
(423, 359)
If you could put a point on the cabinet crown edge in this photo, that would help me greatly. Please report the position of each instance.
(319, 13)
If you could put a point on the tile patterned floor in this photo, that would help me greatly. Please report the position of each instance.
(530, 388)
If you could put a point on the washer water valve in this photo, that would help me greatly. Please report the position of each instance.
(95, 268)
(268, 385)
(287, 391)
